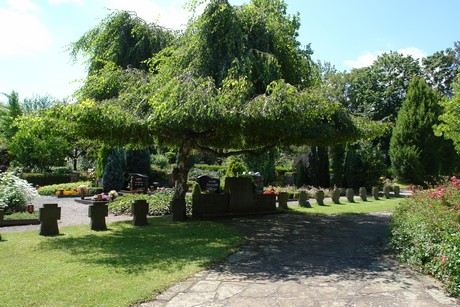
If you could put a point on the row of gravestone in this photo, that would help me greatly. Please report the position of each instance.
(49, 215)
(335, 195)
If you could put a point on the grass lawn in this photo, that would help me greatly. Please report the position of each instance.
(345, 207)
(21, 216)
(117, 267)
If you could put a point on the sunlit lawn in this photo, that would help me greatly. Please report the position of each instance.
(121, 266)
(346, 207)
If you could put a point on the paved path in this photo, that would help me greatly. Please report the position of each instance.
(293, 260)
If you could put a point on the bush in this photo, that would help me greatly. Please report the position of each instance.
(159, 203)
(43, 179)
(52, 190)
(425, 232)
(113, 177)
(15, 193)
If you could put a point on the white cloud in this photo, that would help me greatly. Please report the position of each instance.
(367, 58)
(21, 31)
(169, 14)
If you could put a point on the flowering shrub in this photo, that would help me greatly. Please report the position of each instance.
(67, 192)
(425, 231)
(100, 197)
(15, 193)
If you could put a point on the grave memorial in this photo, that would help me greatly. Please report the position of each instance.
(140, 209)
(138, 182)
(97, 211)
(363, 193)
(48, 215)
(209, 184)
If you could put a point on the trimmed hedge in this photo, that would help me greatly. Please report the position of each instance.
(44, 179)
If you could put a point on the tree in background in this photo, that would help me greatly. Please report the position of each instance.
(449, 125)
(223, 94)
(263, 163)
(113, 177)
(414, 149)
(8, 114)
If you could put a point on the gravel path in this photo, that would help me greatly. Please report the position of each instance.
(72, 213)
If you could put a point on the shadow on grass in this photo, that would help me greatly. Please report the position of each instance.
(160, 245)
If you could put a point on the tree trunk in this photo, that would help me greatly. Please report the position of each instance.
(180, 175)
(75, 158)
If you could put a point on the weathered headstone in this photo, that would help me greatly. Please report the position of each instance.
(140, 209)
(397, 190)
(259, 182)
(208, 184)
(303, 199)
(319, 196)
(97, 211)
(241, 194)
(48, 215)
(363, 193)
(350, 195)
(283, 198)
(336, 196)
(375, 192)
(386, 191)
(138, 182)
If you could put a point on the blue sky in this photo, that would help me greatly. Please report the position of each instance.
(34, 34)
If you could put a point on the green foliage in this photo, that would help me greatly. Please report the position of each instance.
(263, 163)
(113, 177)
(449, 125)
(161, 161)
(235, 168)
(363, 166)
(159, 203)
(425, 232)
(102, 156)
(440, 70)
(413, 145)
(11, 111)
(43, 179)
(138, 161)
(15, 193)
(37, 144)
(122, 266)
(53, 189)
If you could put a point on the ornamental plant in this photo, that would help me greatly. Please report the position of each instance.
(425, 232)
(15, 193)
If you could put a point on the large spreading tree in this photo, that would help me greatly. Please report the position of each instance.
(235, 81)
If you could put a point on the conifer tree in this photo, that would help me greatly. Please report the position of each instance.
(414, 149)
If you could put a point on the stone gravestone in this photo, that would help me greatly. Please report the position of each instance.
(350, 195)
(386, 191)
(303, 199)
(48, 216)
(363, 193)
(258, 181)
(97, 211)
(241, 194)
(283, 198)
(397, 190)
(375, 193)
(140, 209)
(319, 196)
(336, 196)
(208, 184)
(138, 182)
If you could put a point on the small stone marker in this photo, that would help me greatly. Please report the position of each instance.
(97, 211)
(48, 216)
(396, 190)
(303, 199)
(375, 193)
(386, 191)
(336, 196)
(350, 195)
(140, 209)
(283, 198)
(319, 196)
(363, 193)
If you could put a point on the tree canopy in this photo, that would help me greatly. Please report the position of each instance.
(235, 81)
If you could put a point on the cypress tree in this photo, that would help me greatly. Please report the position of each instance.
(414, 149)
(113, 177)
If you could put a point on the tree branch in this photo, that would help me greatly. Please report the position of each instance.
(255, 152)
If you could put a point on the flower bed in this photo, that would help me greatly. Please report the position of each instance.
(425, 232)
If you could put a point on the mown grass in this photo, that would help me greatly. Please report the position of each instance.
(21, 216)
(117, 267)
(346, 207)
